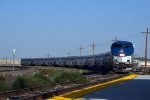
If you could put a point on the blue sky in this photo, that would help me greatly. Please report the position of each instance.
(36, 28)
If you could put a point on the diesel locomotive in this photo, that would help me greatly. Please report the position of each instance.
(119, 59)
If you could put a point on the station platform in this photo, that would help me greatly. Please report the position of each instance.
(102, 90)
(136, 89)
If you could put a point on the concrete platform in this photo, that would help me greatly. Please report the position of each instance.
(136, 89)
(75, 95)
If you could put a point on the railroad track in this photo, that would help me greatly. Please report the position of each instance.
(8, 68)
(49, 91)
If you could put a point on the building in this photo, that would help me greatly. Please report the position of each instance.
(9, 62)
(139, 63)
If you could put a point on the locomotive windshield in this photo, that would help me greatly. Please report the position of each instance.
(122, 45)
(117, 45)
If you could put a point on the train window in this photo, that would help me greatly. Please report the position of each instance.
(75, 63)
(106, 55)
(117, 45)
(122, 45)
(126, 45)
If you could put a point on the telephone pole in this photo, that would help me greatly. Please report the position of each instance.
(69, 53)
(6, 60)
(81, 50)
(93, 47)
(146, 46)
(48, 55)
(115, 39)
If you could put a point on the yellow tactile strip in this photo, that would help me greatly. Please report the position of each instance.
(79, 93)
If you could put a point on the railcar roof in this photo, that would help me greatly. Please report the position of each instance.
(69, 57)
(122, 42)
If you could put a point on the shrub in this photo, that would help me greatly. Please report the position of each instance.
(19, 83)
(74, 77)
(38, 79)
(3, 87)
(2, 78)
(60, 77)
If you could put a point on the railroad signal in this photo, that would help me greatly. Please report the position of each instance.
(14, 52)
(146, 46)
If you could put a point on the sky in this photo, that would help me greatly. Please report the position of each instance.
(38, 28)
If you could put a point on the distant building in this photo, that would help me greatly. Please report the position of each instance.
(10, 62)
(139, 63)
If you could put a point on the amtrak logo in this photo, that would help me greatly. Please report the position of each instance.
(121, 50)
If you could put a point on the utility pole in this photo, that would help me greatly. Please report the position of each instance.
(6, 60)
(93, 47)
(69, 53)
(146, 46)
(48, 55)
(81, 50)
(115, 39)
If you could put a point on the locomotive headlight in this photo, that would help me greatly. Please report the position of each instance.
(122, 55)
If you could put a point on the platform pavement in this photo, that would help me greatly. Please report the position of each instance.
(136, 89)
(79, 93)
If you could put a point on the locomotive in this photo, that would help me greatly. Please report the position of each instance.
(122, 56)
(119, 59)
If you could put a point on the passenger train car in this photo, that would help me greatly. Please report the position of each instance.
(120, 58)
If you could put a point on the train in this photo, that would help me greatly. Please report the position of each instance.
(122, 56)
(119, 59)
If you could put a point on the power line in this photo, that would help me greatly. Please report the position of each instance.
(146, 46)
